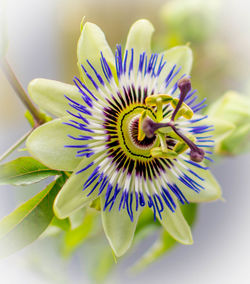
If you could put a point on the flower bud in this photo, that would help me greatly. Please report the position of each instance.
(232, 109)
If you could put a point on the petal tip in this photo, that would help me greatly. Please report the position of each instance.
(57, 211)
(144, 22)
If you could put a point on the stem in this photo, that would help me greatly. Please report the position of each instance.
(16, 145)
(21, 92)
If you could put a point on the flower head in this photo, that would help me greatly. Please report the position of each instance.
(130, 131)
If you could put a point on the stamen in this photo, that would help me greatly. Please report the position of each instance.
(185, 86)
(148, 126)
(158, 100)
(196, 154)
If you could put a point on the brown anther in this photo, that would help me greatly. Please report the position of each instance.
(197, 155)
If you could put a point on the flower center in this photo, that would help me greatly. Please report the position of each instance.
(146, 143)
(127, 130)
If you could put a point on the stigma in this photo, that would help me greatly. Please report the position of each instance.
(169, 129)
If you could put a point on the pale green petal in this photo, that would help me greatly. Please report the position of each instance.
(118, 227)
(91, 43)
(181, 56)
(176, 225)
(49, 95)
(211, 191)
(46, 143)
(139, 38)
(72, 196)
(222, 128)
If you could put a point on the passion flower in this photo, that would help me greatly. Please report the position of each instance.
(130, 132)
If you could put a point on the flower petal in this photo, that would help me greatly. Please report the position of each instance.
(182, 57)
(139, 38)
(91, 43)
(118, 227)
(176, 225)
(46, 144)
(211, 191)
(49, 95)
(72, 196)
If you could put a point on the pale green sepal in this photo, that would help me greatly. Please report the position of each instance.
(47, 144)
(181, 56)
(118, 227)
(72, 196)
(176, 225)
(49, 95)
(91, 43)
(139, 38)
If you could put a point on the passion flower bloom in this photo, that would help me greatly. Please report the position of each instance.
(130, 132)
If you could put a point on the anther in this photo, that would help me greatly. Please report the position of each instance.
(196, 153)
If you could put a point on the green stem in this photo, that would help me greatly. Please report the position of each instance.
(11, 77)
(16, 145)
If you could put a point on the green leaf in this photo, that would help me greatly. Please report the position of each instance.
(118, 227)
(25, 224)
(74, 238)
(24, 170)
(165, 242)
(49, 95)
